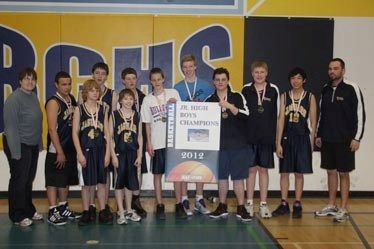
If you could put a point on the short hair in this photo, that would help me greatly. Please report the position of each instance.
(124, 92)
(60, 75)
(188, 57)
(156, 70)
(221, 70)
(295, 71)
(27, 71)
(128, 70)
(342, 63)
(100, 65)
(259, 63)
(88, 85)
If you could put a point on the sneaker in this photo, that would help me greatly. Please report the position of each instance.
(264, 211)
(37, 217)
(341, 216)
(121, 220)
(26, 222)
(221, 211)
(92, 213)
(104, 217)
(136, 205)
(250, 209)
(179, 211)
(200, 207)
(242, 214)
(66, 213)
(85, 218)
(186, 206)
(326, 211)
(297, 211)
(55, 218)
(282, 209)
(132, 215)
(160, 212)
(109, 211)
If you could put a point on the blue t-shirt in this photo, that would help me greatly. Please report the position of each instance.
(203, 90)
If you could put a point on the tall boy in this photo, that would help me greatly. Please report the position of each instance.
(153, 113)
(262, 101)
(195, 89)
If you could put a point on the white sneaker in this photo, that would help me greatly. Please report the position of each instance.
(201, 207)
(24, 223)
(37, 216)
(249, 208)
(341, 216)
(264, 211)
(327, 210)
(132, 215)
(121, 219)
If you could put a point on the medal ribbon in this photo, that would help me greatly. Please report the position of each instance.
(224, 98)
(67, 103)
(295, 107)
(125, 119)
(259, 99)
(95, 117)
(191, 97)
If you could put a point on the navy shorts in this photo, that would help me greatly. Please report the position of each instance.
(337, 156)
(261, 155)
(233, 162)
(126, 175)
(297, 154)
(94, 173)
(63, 177)
(144, 168)
(158, 162)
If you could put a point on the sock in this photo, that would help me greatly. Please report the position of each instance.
(93, 205)
(263, 203)
(52, 207)
(62, 203)
(250, 202)
(199, 197)
(184, 197)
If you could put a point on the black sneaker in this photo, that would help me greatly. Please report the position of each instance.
(221, 211)
(282, 209)
(85, 218)
(242, 214)
(92, 213)
(179, 211)
(297, 211)
(55, 218)
(109, 211)
(137, 206)
(160, 212)
(104, 217)
(66, 213)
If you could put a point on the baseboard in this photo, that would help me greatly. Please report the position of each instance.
(210, 193)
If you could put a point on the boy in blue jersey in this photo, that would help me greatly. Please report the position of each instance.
(192, 88)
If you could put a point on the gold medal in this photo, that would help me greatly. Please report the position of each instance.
(260, 109)
(225, 115)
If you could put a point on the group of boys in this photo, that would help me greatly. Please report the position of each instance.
(271, 123)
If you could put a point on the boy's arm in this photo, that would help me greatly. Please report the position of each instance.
(75, 135)
(107, 138)
(52, 110)
(280, 126)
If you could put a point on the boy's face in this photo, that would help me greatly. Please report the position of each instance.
(100, 76)
(130, 81)
(189, 69)
(127, 101)
(220, 81)
(157, 81)
(297, 81)
(28, 83)
(63, 86)
(93, 94)
(259, 75)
